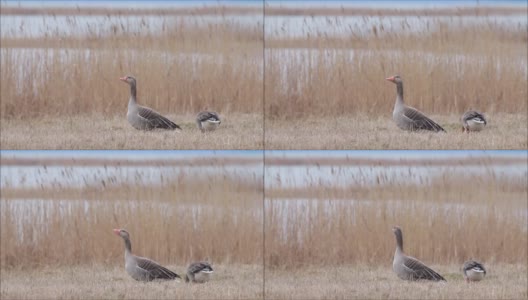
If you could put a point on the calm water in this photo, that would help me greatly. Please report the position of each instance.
(367, 175)
(286, 176)
(99, 176)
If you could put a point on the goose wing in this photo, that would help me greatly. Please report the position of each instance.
(155, 119)
(198, 267)
(473, 115)
(155, 270)
(419, 271)
(207, 116)
(473, 265)
(420, 121)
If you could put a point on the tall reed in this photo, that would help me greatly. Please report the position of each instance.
(447, 67)
(184, 219)
(182, 66)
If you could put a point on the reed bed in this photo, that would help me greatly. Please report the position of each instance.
(181, 219)
(181, 65)
(446, 219)
(448, 66)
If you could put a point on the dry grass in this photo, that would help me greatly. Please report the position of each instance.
(445, 219)
(184, 66)
(233, 281)
(504, 131)
(237, 131)
(185, 218)
(447, 68)
(365, 282)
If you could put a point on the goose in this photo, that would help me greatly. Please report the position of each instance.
(407, 267)
(409, 118)
(207, 121)
(141, 268)
(473, 271)
(473, 121)
(141, 117)
(199, 272)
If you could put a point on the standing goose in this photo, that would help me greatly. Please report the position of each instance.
(207, 121)
(472, 120)
(409, 268)
(406, 117)
(473, 271)
(141, 117)
(199, 272)
(141, 268)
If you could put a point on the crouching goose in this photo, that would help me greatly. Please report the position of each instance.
(141, 268)
(199, 272)
(406, 117)
(473, 271)
(473, 121)
(207, 121)
(141, 117)
(409, 268)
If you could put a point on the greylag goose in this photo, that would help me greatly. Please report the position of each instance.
(141, 117)
(207, 121)
(473, 271)
(409, 118)
(407, 267)
(141, 268)
(199, 272)
(473, 121)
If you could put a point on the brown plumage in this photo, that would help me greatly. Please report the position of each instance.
(410, 268)
(141, 117)
(409, 118)
(141, 268)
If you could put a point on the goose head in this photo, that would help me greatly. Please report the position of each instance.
(395, 79)
(129, 79)
(122, 233)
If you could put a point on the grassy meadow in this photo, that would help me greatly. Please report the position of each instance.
(232, 281)
(332, 86)
(184, 63)
(58, 231)
(331, 241)
(237, 131)
(504, 281)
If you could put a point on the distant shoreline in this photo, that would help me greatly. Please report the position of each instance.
(268, 11)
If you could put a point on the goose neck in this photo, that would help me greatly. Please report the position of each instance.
(399, 94)
(399, 241)
(133, 92)
(128, 246)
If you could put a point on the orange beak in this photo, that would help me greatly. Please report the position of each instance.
(117, 231)
(123, 79)
(390, 79)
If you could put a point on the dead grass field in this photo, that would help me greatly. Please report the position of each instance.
(237, 131)
(504, 131)
(346, 281)
(230, 281)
